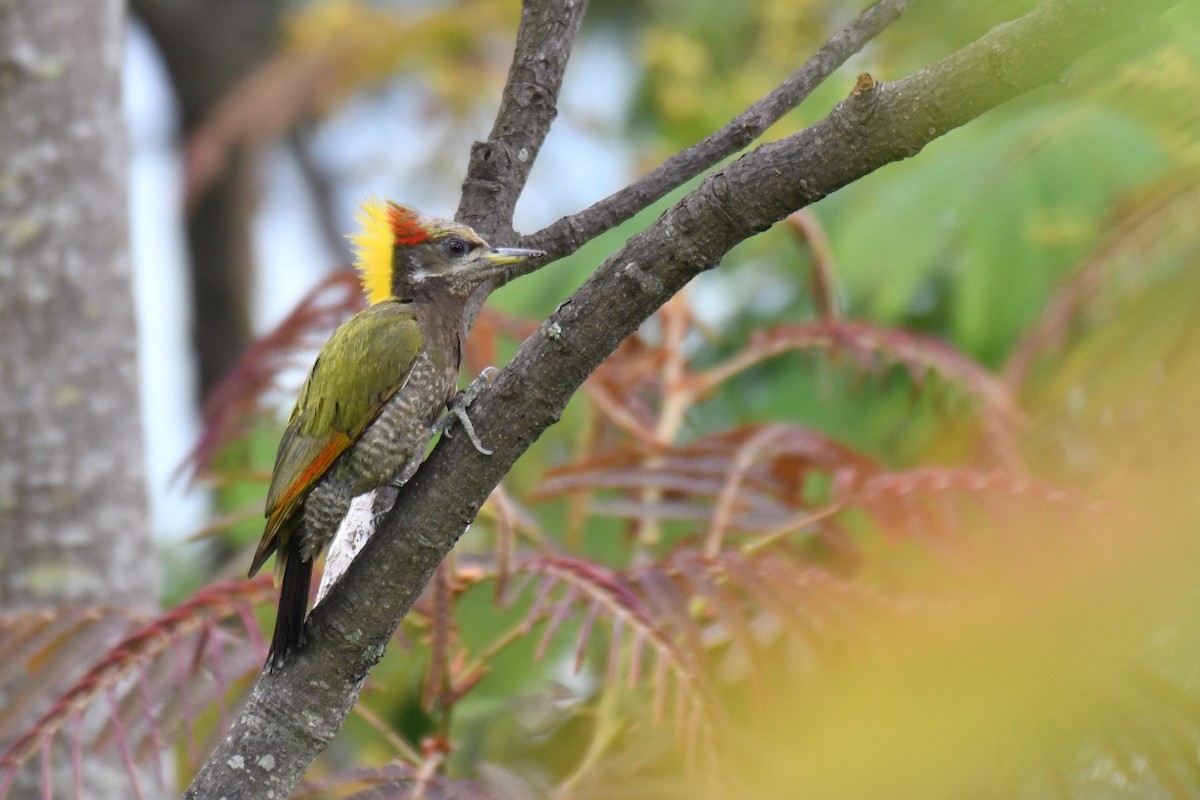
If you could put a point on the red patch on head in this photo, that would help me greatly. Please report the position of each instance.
(406, 226)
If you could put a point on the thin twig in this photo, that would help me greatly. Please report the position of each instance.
(823, 279)
(426, 773)
(570, 233)
(747, 454)
(676, 401)
(794, 523)
(398, 742)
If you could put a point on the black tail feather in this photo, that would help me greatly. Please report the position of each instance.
(293, 604)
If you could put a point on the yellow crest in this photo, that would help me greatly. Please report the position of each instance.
(373, 246)
(382, 226)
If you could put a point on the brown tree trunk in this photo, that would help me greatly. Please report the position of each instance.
(208, 46)
(73, 507)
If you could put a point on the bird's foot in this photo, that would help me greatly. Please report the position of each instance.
(457, 409)
(385, 498)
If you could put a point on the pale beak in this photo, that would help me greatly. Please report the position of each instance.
(499, 262)
(503, 256)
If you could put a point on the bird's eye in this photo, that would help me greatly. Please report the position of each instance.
(456, 247)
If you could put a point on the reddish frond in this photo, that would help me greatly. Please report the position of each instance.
(811, 448)
(442, 634)
(608, 594)
(562, 607)
(823, 279)
(701, 468)
(670, 603)
(770, 614)
(510, 519)
(637, 647)
(787, 454)
(157, 678)
(728, 620)
(594, 582)
(607, 472)
(751, 479)
(929, 504)
(504, 512)
(43, 651)
(869, 345)
(235, 402)
(627, 385)
(631, 412)
(483, 340)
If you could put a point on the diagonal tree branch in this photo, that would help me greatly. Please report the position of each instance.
(293, 712)
(568, 234)
(500, 166)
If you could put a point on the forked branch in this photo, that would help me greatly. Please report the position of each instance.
(570, 233)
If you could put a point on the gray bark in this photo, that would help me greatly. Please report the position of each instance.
(73, 508)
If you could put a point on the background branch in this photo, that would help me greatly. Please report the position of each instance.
(292, 713)
(500, 166)
(568, 234)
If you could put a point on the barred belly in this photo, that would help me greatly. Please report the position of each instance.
(389, 452)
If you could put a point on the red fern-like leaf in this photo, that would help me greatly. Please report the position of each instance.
(823, 282)
(442, 634)
(155, 681)
(927, 504)
(751, 479)
(749, 610)
(237, 399)
(43, 651)
(625, 387)
(605, 594)
(483, 342)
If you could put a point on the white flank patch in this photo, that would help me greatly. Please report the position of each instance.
(352, 534)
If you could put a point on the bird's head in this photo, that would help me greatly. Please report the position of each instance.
(403, 255)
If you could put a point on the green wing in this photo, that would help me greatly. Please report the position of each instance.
(365, 362)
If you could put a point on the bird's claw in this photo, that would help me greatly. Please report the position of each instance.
(457, 409)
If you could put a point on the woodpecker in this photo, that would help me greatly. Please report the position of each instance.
(366, 413)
